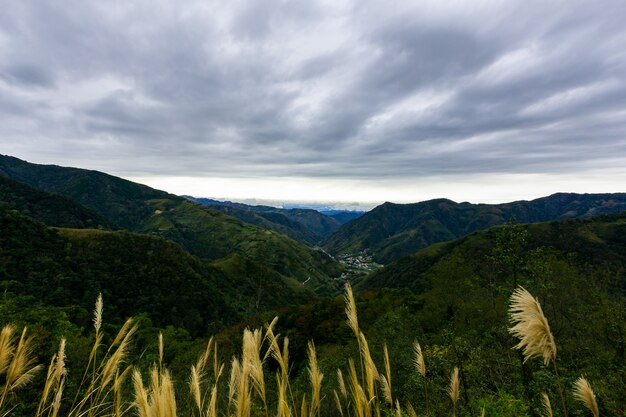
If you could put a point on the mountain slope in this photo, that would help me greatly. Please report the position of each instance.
(52, 209)
(599, 242)
(136, 273)
(206, 233)
(391, 231)
(306, 225)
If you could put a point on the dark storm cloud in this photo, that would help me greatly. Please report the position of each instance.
(328, 89)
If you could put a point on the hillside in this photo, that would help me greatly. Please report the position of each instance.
(305, 225)
(391, 231)
(136, 274)
(599, 243)
(453, 297)
(203, 232)
(52, 209)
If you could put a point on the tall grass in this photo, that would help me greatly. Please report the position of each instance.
(362, 389)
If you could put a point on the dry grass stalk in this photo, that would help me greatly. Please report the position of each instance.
(410, 410)
(371, 373)
(338, 403)
(342, 384)
(398, 410)
(97, 314)
(353, 320)
(420, 364)
(453, 390)
(547, 406)
(160, 350)
(388, 395)
(531, 327)
(54, 378)
(359, 401)
(316, 378)
(584, 394)
(19, 362)
(7, 347)
(384, 386)
(157, 401)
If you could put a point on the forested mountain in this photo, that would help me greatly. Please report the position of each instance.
(391, 231)
(241, 248)
(305, 225)
(52, 209)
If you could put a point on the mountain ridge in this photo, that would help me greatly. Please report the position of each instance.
(391, 231)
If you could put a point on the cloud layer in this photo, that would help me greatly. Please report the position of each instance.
(317, 89)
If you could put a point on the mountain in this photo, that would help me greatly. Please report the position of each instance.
(136, 273)
(391, 231)
(205, 233)
(598, 242)
(52, 209)
(305, 225)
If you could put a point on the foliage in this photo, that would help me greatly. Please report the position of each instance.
(391, 231)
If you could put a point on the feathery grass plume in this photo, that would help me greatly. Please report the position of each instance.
(21, 368)
(388, 395)
(342, 384)
(353, 320)
(54, 377)
(359, 401)
(338, 402)
(235, 374)
(531, 327)
(398, 410)
(194, 387)
(211, 410)
(97, 314)
(453, 390)
(371, 373)
(420, 364)
(56, 404)
(116, 359)
(251, 360)
(410, 410)
(316, 378)
(303, 407)
(117, 391)
(584, 394)
(547, 406)
(157, 401)
(283, 409)
(160, 350)
(384, 386)
(7, 347)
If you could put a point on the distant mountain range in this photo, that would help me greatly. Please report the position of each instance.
(391, 231)
(306, 225)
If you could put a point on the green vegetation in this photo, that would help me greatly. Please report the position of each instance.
(205, 233)
(304, 225)
(391, 231)
(52, 209)
(260, 380)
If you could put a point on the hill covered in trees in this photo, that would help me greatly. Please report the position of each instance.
(391, 231)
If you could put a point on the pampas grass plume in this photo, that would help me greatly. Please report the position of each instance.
(584, 394)
(531, 327)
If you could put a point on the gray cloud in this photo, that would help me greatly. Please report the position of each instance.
(320, 89)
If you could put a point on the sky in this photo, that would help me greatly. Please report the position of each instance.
(357, 102)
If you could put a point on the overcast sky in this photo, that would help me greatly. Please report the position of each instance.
(361, 101)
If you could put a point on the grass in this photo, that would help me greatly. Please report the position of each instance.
(112, 388)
